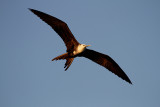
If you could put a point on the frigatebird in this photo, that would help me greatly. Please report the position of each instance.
(75, 49)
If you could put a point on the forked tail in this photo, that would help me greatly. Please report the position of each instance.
(68, 60)
(68, 63)
(63, 56)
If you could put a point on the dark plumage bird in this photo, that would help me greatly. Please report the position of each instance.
(75, 49)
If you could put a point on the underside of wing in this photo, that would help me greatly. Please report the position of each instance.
(60, 28)
(107, 62)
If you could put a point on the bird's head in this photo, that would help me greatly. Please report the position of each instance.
(83, 45)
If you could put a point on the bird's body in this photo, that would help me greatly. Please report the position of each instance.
(75, 49)
(80, 48)
(69, 56)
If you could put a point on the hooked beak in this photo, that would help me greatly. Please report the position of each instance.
(88, 45)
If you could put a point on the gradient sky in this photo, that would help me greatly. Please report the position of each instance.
(126, 30)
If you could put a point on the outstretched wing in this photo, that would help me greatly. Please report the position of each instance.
(60, 28)
(107, 62)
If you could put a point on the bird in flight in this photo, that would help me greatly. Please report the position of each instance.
(75, 49)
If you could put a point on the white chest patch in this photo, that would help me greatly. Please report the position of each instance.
(79, 49)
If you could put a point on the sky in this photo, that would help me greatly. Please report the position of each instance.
(126, 30)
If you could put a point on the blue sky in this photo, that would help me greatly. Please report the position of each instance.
(126, 30)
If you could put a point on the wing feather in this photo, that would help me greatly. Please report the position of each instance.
(60, 27)
(107, 62)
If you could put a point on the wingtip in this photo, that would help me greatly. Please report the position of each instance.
(129, 82)
(30, 9)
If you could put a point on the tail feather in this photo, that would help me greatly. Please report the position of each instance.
(68, 63)
(68, 60)
(63, 56)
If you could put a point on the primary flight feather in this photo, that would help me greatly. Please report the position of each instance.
(75, 49)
